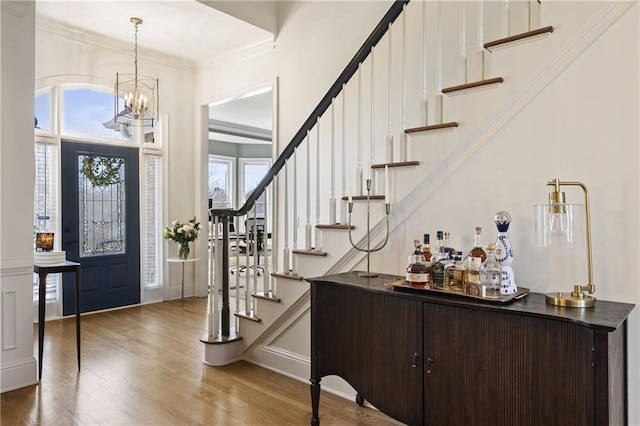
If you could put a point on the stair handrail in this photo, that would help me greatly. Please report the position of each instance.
(376, 35)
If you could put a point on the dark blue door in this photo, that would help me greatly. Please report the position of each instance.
(101, 224)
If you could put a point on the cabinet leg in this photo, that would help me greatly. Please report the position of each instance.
(359, 399)
(315, 402)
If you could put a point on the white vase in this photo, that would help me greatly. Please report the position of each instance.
(504, 253)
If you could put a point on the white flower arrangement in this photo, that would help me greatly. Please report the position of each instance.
(182, 232)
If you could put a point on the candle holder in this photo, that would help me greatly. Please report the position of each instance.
(368, 248)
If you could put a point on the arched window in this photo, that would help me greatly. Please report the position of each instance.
(89, 113)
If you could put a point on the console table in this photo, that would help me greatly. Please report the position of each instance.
(434, 359)
(182, 262)
(43, 271)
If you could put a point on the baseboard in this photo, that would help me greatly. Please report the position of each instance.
(18, 375)
(296, 367)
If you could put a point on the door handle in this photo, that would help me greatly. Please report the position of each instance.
(416, 357)
(67, 242)
(429, 360)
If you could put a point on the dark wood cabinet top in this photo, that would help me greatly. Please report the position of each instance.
(604, 316)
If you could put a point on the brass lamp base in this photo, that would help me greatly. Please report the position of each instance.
(568, 300)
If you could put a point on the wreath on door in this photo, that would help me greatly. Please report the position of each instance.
(101, 171)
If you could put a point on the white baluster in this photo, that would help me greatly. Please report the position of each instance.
(506, 18)
(285, 253)
(439, 96)
(424, 105)
(236, 221)
(307, 228)
(250, 300)
(372, 138)
(359, 166)
(463, 38)
(247, 287)
(266, 276)
(332, 195)
(296, 222)
(343, 204)
(480, 45)
(318, 237)
(389, 140)
(402, 154)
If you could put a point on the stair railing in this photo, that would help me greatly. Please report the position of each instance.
(219, 321)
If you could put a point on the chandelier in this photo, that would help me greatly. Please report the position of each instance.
(136, 96)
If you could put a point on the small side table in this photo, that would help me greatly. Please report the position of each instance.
(43, 271)
(182, 261)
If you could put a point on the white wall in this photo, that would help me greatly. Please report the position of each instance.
(17, 59)
(582, 124)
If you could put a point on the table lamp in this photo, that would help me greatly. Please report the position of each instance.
(559, 224)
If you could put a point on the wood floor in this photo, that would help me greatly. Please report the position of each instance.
(143, 366)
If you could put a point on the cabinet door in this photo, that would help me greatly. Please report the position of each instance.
(369, 339)
(491, 368)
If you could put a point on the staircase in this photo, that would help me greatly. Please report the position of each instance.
(434, 83)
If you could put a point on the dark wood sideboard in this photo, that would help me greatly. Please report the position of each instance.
(434, 359)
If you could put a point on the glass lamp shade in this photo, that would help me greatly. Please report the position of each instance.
(560, 225)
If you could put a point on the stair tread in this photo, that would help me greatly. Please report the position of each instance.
(364, 197)
(287, 275)
(517, 37)
(250, 316)
(432, 127)
(219, 339)
(311, 252)
(391, 165)
(480, 83)
(269, 296)
(335, 226)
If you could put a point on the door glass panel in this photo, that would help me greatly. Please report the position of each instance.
(101, 201)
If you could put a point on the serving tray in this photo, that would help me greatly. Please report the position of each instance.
(402, 285)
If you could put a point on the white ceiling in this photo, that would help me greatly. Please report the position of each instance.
(185, 29)
(253, 110)
(244, 116)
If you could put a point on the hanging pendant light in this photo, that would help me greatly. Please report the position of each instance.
(136, 98)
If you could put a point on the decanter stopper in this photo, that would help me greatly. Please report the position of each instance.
(504, 253)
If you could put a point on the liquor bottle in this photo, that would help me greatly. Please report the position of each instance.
(426, 252)
(417, 274)
(474, 260)
(447, 245)
(477, 250)
(438, 261)
(491, 272)
(504, 253)
(454, 273)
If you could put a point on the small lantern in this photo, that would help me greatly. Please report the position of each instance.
(44, 241)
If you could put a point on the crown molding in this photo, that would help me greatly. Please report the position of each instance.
(260, 47)
(87, 38)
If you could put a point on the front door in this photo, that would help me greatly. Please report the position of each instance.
(101, 225)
